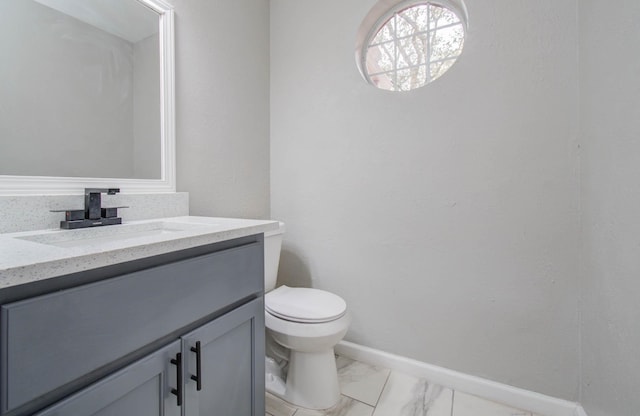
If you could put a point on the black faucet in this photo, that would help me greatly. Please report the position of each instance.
(94, 214)
(93, 201)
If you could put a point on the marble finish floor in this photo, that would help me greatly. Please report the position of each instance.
(374, 391)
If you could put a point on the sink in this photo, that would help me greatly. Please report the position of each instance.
(109, 234)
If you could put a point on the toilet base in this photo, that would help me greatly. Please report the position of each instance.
(312, 376)
(312, 380)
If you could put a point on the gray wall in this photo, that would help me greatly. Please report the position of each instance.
(446, 217)
(222, 87)
(610, 130)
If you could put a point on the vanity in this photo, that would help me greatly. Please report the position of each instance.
(154, 317)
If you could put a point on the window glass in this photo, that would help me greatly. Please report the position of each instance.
(414, 46)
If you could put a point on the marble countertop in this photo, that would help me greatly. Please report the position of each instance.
(31, 256)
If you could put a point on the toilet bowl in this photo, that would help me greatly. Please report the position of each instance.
(307, 323)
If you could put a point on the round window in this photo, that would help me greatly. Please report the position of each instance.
(411, 44)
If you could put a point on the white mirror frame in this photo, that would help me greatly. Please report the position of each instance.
(48, 185)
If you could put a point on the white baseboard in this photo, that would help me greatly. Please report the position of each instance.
(513, 396)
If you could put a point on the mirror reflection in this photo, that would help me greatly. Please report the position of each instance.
(80, 89)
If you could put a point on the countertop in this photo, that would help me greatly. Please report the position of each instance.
(32, 256)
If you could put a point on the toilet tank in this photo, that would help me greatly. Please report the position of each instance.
(272, 246)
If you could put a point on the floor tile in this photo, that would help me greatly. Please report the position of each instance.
(405, 395)
(278, 407)
(346, 407)
(468, 405)
(361, 381)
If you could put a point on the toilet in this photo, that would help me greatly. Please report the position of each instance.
(303, 325)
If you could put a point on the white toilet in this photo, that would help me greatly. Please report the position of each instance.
(308, 323)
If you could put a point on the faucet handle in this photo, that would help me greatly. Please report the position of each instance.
(111, 212)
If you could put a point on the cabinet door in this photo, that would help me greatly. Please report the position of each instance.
(141, 389)
(231, 364)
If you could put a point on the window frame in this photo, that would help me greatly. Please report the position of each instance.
(381, 13)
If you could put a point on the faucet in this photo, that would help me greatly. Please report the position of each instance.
(93, 201)
(94, 214)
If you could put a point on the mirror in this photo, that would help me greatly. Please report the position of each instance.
(86, 97)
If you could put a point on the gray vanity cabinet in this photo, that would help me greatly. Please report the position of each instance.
(106, 347)
(141, 389)
(229, 362)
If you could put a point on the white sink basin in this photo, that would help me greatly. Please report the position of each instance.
(108, 234)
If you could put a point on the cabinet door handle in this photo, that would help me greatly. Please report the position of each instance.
(178, 363)
(198, 377)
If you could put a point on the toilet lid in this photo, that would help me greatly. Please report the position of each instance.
(299, 304)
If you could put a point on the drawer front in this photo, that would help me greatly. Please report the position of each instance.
(54, 339)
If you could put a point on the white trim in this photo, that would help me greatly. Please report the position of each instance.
(50, 185)
(491, 390)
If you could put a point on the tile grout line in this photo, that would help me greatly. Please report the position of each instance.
(453, 397)
(357, 400)
(384, 386)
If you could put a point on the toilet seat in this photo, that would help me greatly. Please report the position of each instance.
(304, 305)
